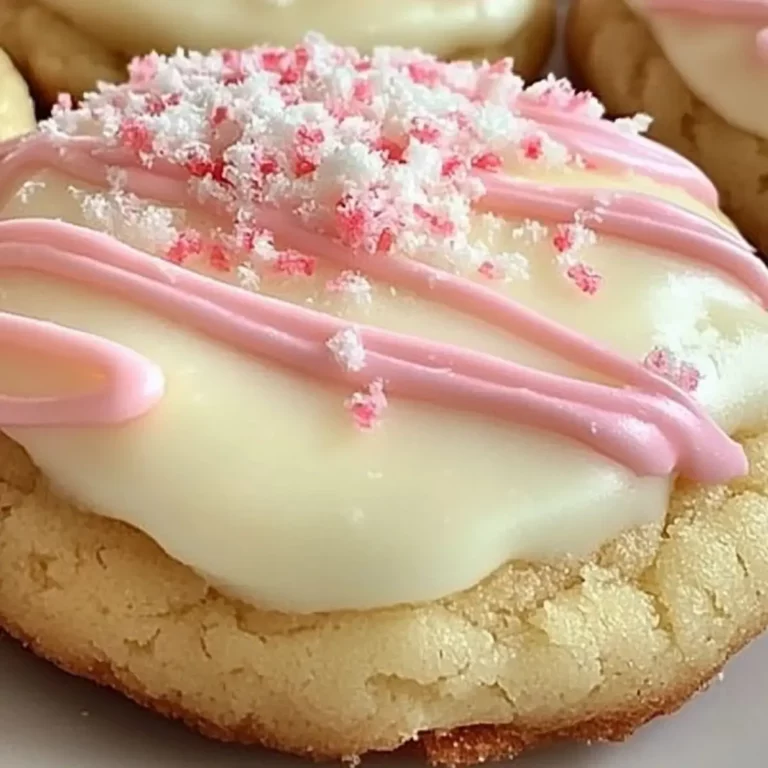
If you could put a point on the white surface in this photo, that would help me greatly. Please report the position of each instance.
(49, 720)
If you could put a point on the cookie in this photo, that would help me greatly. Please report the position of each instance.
(16, 110)
(373, 414)
(641, 57)
(69, 45)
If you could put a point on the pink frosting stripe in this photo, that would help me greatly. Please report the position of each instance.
(610, 149)
(650, 433)
(647, 424)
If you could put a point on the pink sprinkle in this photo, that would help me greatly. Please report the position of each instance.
(688, 377)
(385, 242)
(451, 165)
(440, 225)
(155, 104)
(362, 91)
(390, 149)
(142, 70)
(663, 363)
(487, 161)
(659, 360)
(188, 243)
(309, 136)
(502, 66)
(234, 67)
(367, 406)
(532, 147)
(585, 278)
(424, 73)
(488, 269)
(294, 264)
(272, 59)
(220, 259)
(200, 168)
(351, 222)
(268, 166)
(135, 136)
(219, 115)
(304, 166)
(564, 238)
(424, 131)
(64, 101)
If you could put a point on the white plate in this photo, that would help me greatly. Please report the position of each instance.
(49, 720)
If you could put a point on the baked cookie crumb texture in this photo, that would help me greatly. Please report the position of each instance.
(386, 401)
(70, 45)
(701, 70)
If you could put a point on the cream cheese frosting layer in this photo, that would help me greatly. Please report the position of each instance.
(720, 49)
(442, 27)
(320, 396)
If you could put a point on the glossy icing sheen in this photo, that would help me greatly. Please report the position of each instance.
(442, 27)
(720, 49)
(520, 422)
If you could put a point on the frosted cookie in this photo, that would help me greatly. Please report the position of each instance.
(17, 113)
(348, 402)
(69, 45)
(700, 68)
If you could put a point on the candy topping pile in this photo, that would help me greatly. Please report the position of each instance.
(386, 156)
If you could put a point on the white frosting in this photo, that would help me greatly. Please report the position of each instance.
(257, 479)
(719, 63)
(439, 26)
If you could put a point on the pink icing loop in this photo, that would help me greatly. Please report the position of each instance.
(133, 385)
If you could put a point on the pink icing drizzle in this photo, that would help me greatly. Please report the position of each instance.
(648, 425)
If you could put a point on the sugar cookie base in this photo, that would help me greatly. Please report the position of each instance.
(536, 653)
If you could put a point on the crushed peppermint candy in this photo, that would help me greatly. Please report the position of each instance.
(347, 348)
(379, 152)
(351, 284)
(386, 155)
(368, 405)
(666, 364)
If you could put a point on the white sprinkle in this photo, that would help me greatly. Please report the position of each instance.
(635, 125)
(28, 189)
(347, 348)
(247, 278)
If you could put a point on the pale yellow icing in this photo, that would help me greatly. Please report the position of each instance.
(439, 26)
(17, 113)
(255, 478)
(718, 61)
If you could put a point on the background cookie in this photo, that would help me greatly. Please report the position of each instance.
(556, 652)
(16, 110)
(613, 52)
(69, 45)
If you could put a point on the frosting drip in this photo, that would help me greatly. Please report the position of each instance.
(473, 349)
(720, 49)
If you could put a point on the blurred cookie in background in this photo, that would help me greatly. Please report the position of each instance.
(17, 114)
(69, 45)
(699, 68)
